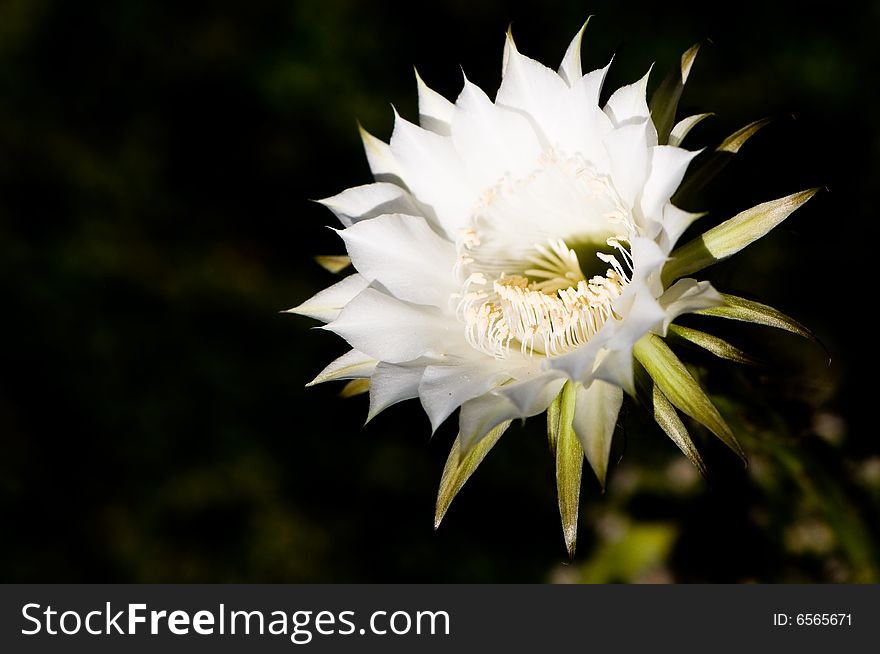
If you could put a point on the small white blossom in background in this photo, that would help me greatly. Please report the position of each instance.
(518, 256)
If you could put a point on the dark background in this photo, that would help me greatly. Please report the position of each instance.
(156, 166)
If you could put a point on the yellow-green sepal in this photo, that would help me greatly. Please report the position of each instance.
(717, 346)
(681, 389)
(667, 417)
(554, 415)
(708, 165)
(355, 387)
(737, 308)
(684, 126)
(569, 463)
(458, 469)
(334, 263)
(731, 236)
(664, 101)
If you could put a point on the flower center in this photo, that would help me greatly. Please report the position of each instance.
(523, 285)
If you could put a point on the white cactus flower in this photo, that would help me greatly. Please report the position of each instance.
(516, 255)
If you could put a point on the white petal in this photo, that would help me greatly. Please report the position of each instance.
(668, 165)
(391, 384)
(587, 125)
(434, 173)
(479, 416)
(405, 256)
(435, 111)
(370, 200)
(629, 154)
(686, 296)
(595, 417)
(590, 86)
(532, 396)
(444, 388)
(493, 141)
(382, 161)
(351, 365)
(629, 104)
(579, 365)
(533, 88)
(616, 368)
(648, 261)
(675, 222)
(327, 304)
(395, 331)
(570, 69)
(643, 315)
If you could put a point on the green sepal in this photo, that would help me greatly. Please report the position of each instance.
(355, 387)
(667, 417)
(664, 101)
(458, 469)
(717, 346)
(708, 165)
(554, 415)
(334, 263)
(681, 389)
(731, 236)
(684, 126)
(737, 308)
(569, 464)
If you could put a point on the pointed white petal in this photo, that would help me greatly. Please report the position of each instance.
(591, 84)
(327, 304)
(615, 364)
(628, 149)
(648, 260)
(534, 89)
(595, 417)
(675, 222)
(405, 256)
(629, 104)
(435, 111)
(640, 312)
(579, 364)
(533, 395)
(479, 416)
(395, 331)
(382, 162)
(370, 200)
(616, 368)
(587, 124)
(668, 165)
(492, 141)
(434, 173)
(391, 384)
(686, 296)
(444, 388)
(570, 69)
(351, 365)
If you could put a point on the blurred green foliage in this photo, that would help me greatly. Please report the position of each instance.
(156, 161)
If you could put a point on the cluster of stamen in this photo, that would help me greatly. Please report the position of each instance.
(549, 317)
(536, 298)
